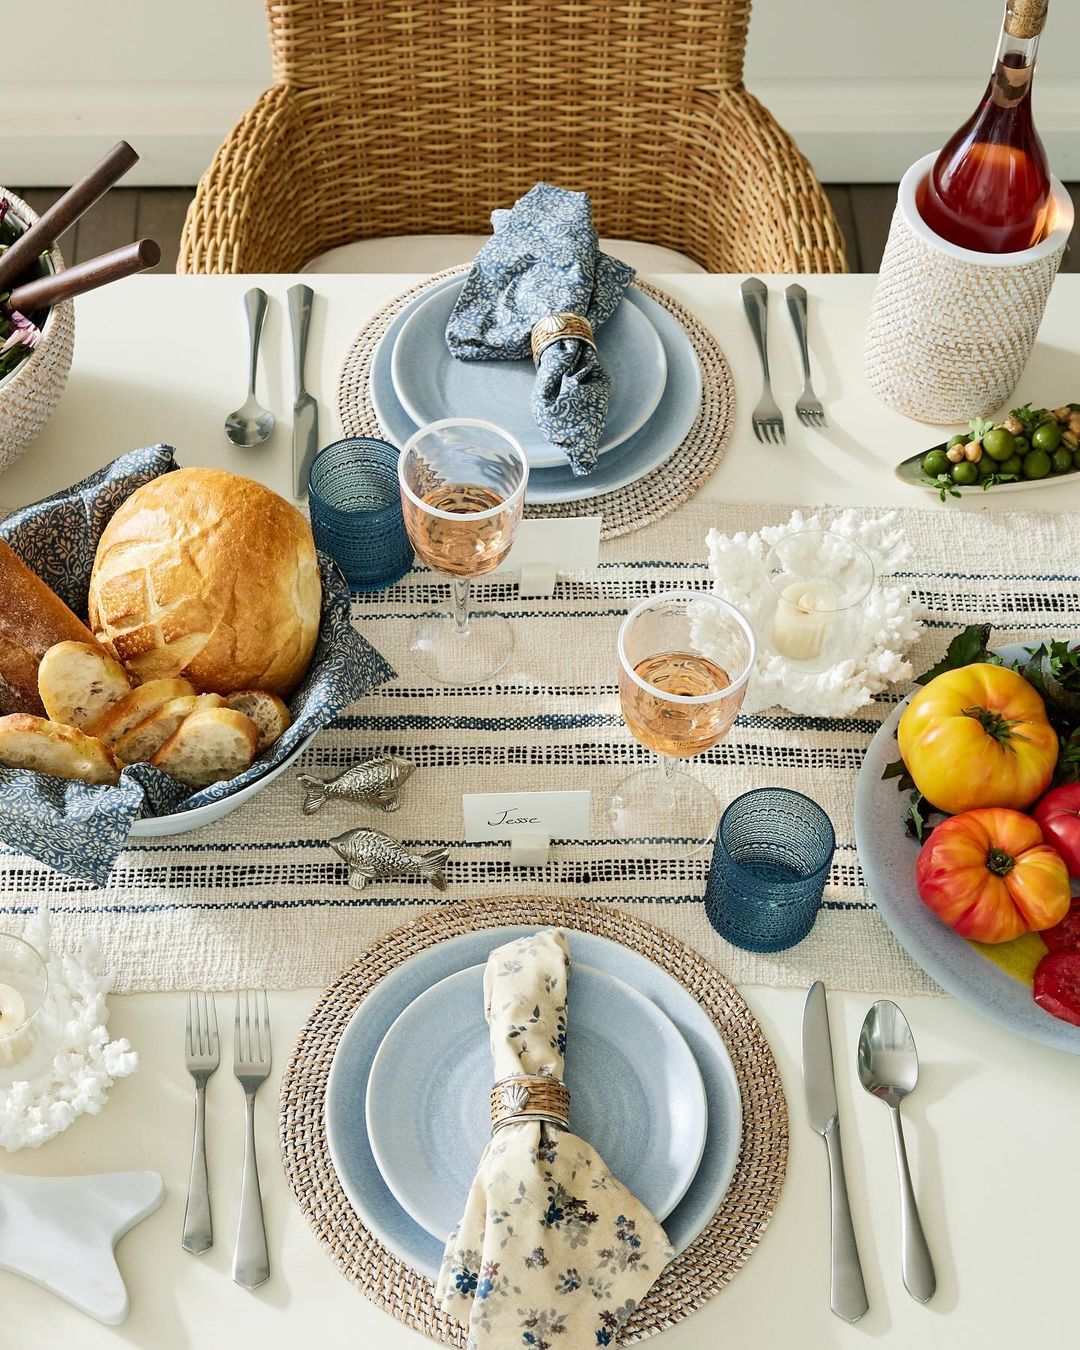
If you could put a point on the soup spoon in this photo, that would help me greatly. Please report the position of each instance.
(889, 1070)
(251, 424)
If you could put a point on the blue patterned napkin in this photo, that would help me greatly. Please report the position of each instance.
(544, 258)
(552, 1250)
(80, 829)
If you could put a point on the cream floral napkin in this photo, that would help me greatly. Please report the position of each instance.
(552, 1251)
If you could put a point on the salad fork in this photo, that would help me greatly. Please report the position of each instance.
(767, 419)
(808, 409)
(202, 1060)
(251, 1065)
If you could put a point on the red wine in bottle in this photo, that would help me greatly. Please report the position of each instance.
(990, 187)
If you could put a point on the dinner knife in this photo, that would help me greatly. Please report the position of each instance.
(847, 1290)
(305, 436)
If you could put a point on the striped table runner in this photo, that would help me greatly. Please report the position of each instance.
(259, 899)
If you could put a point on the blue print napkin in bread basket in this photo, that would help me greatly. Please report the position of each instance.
(80, 829)
(544, 259)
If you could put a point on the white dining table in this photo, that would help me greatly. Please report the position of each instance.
(993, 1128)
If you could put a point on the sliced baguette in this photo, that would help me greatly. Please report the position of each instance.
(78, 682)
(28, 742)
(143, 742)
(266, 710)
(115, 723)
(209, 746)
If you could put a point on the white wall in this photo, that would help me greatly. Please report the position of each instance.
(865, 85)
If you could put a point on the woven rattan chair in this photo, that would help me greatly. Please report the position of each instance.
(406, 117)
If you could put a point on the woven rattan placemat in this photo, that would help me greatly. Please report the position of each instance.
(693, 1277)
(626, 509)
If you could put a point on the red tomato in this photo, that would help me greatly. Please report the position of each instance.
(1064, 936)
(1058, 815)
(1057, 985)
(990, 877)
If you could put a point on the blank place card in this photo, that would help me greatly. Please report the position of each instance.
(544, 548)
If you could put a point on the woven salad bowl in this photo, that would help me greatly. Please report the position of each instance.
(30, 392)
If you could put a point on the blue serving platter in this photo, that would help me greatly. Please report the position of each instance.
(639, 455)
(431, 384)
(636, 1094)
(888, 858)
(346, 1125)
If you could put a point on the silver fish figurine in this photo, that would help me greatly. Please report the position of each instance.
(375, 780)
(371, 855)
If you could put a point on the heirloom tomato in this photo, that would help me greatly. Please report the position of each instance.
(990, 877)
(978, 736)
(1057, 986)
(1058, 815)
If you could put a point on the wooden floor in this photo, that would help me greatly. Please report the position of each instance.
(863, 210)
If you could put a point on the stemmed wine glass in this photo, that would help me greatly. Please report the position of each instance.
(685, 659)
(462, 493)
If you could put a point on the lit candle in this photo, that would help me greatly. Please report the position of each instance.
(14, 1043)
(804, 616)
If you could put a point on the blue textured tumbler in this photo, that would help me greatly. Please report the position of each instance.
(356, 514)
(769, 865)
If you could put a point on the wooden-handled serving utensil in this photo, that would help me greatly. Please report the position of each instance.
(85, 276)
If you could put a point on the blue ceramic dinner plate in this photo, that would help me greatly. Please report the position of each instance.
(888, 858)
(643, 452)
(635, 1090)
(431, 384)
(346, 1127)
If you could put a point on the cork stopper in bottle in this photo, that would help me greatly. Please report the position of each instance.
(1025, 18)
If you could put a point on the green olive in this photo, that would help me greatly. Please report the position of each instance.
(935, 462)
(986, 466)
(1046, 436)
(999, 443)
(965, 473)
(1062, 459)
(961, 438)
(1014, 465)
(1037, 463)
(1023, 445)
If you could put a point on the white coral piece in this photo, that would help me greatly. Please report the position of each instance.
(85, 1063)
(890, 619)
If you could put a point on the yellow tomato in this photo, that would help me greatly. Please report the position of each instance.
(978, 737)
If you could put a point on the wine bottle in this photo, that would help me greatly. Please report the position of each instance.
(989, 189)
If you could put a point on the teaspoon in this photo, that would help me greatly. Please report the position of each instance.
(889, 1070)
(251, 424)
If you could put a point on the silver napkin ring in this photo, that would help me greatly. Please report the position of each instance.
(554, 327)
(526, 1097)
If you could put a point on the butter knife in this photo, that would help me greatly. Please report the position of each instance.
(305, 436)
(847, 1290)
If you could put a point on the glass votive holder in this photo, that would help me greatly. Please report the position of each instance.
(24, 985)
(769, 866)
(814, 604)
(356, 514)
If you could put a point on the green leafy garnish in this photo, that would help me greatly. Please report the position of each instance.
(966, 649)
(992, 479)
(943, 484)
(916, 817)
(1025, 415)
(979, 427)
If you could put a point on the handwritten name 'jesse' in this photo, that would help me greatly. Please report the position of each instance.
(511, 817)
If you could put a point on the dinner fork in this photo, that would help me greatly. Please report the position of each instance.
(766, 417)
(251, 1064)
(202, 1060)
(808, 409)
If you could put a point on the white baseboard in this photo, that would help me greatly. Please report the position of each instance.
(851, 130)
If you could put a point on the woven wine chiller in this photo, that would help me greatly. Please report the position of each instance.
(30, 393)
(950, 329)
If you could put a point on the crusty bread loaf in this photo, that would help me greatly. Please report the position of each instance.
(143, 742)
(32, 619)
(212, 577)
(208, 747)
(28, 742)
(79, 682)
(115, 723)
(266, 710)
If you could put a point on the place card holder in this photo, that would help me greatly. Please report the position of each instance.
(543, 548)
(530, 849)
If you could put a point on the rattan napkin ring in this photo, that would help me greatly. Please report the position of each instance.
(523, 1097)
(554, 327)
